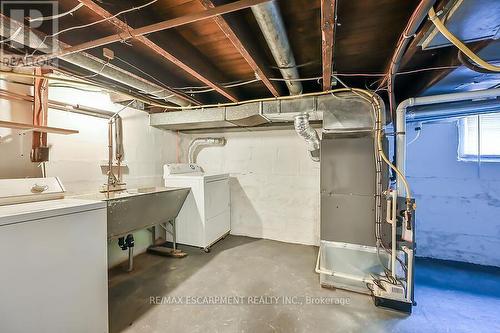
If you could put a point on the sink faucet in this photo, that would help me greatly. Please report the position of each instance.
(114, 182)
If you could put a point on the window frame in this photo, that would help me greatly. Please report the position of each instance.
(478, 156)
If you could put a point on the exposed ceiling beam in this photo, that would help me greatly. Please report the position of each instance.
(96, 65)
(164, 25)
(327, 39)
(231, 35)
(125, 28)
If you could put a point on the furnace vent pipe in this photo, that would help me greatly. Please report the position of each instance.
(269, 18)
(401, 117)
(203, 142)
(309, 134)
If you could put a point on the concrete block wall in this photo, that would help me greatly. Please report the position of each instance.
(274, 184)
(458, 202)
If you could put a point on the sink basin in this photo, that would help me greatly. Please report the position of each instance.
(140, 208)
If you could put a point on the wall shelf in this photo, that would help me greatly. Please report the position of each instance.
(43, 129)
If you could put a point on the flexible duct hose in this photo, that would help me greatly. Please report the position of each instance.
(309, 134)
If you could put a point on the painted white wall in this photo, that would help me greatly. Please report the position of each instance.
(274, 184)
(15, 145)
(458, 203)
(76, 158)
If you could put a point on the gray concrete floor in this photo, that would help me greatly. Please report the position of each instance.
(450, 298)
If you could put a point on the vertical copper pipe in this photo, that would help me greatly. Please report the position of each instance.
(110, 154)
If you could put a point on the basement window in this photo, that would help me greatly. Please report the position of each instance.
(479, 138)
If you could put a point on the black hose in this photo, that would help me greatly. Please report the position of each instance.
(471, 65)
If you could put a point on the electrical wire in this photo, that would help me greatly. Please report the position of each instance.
(94, 23)
(98, 73)
(206, 89)
(48, 18)
(225, 86)
(123, 108)
(104, 19)
(416, 136)
(426, 69)
(165, 87)
(143, 72)
(461, 46)
(296, 66)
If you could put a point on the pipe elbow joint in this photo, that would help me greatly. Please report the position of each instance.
(309, 134)
(221, 141)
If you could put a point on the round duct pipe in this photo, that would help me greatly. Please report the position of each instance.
(203, 142)
(309, 134)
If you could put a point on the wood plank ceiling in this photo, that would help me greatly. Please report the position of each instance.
(231, 49)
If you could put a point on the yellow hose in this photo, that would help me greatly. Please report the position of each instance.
(372, 99)
(461, 46)
(386, 160)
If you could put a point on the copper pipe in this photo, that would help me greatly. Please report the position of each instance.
(412, 26)
(110, 155)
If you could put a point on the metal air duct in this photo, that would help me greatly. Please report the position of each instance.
(271, 23)
(341, 111)
(309, 134)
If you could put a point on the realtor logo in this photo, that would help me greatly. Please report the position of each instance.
(26, 31)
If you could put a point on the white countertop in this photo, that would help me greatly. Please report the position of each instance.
(23, 212)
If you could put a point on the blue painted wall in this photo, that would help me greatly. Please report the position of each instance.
(458, 213)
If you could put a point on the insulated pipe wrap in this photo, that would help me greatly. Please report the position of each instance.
(309, 134)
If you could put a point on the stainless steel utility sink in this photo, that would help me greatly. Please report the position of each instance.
(141, 208)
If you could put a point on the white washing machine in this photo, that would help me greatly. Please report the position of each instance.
(53, 255)
(205, 216)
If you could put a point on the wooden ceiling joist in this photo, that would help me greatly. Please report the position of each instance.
(239, 45)
(115, 71)
(125, 28)
(160, 26)
(327, 38)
